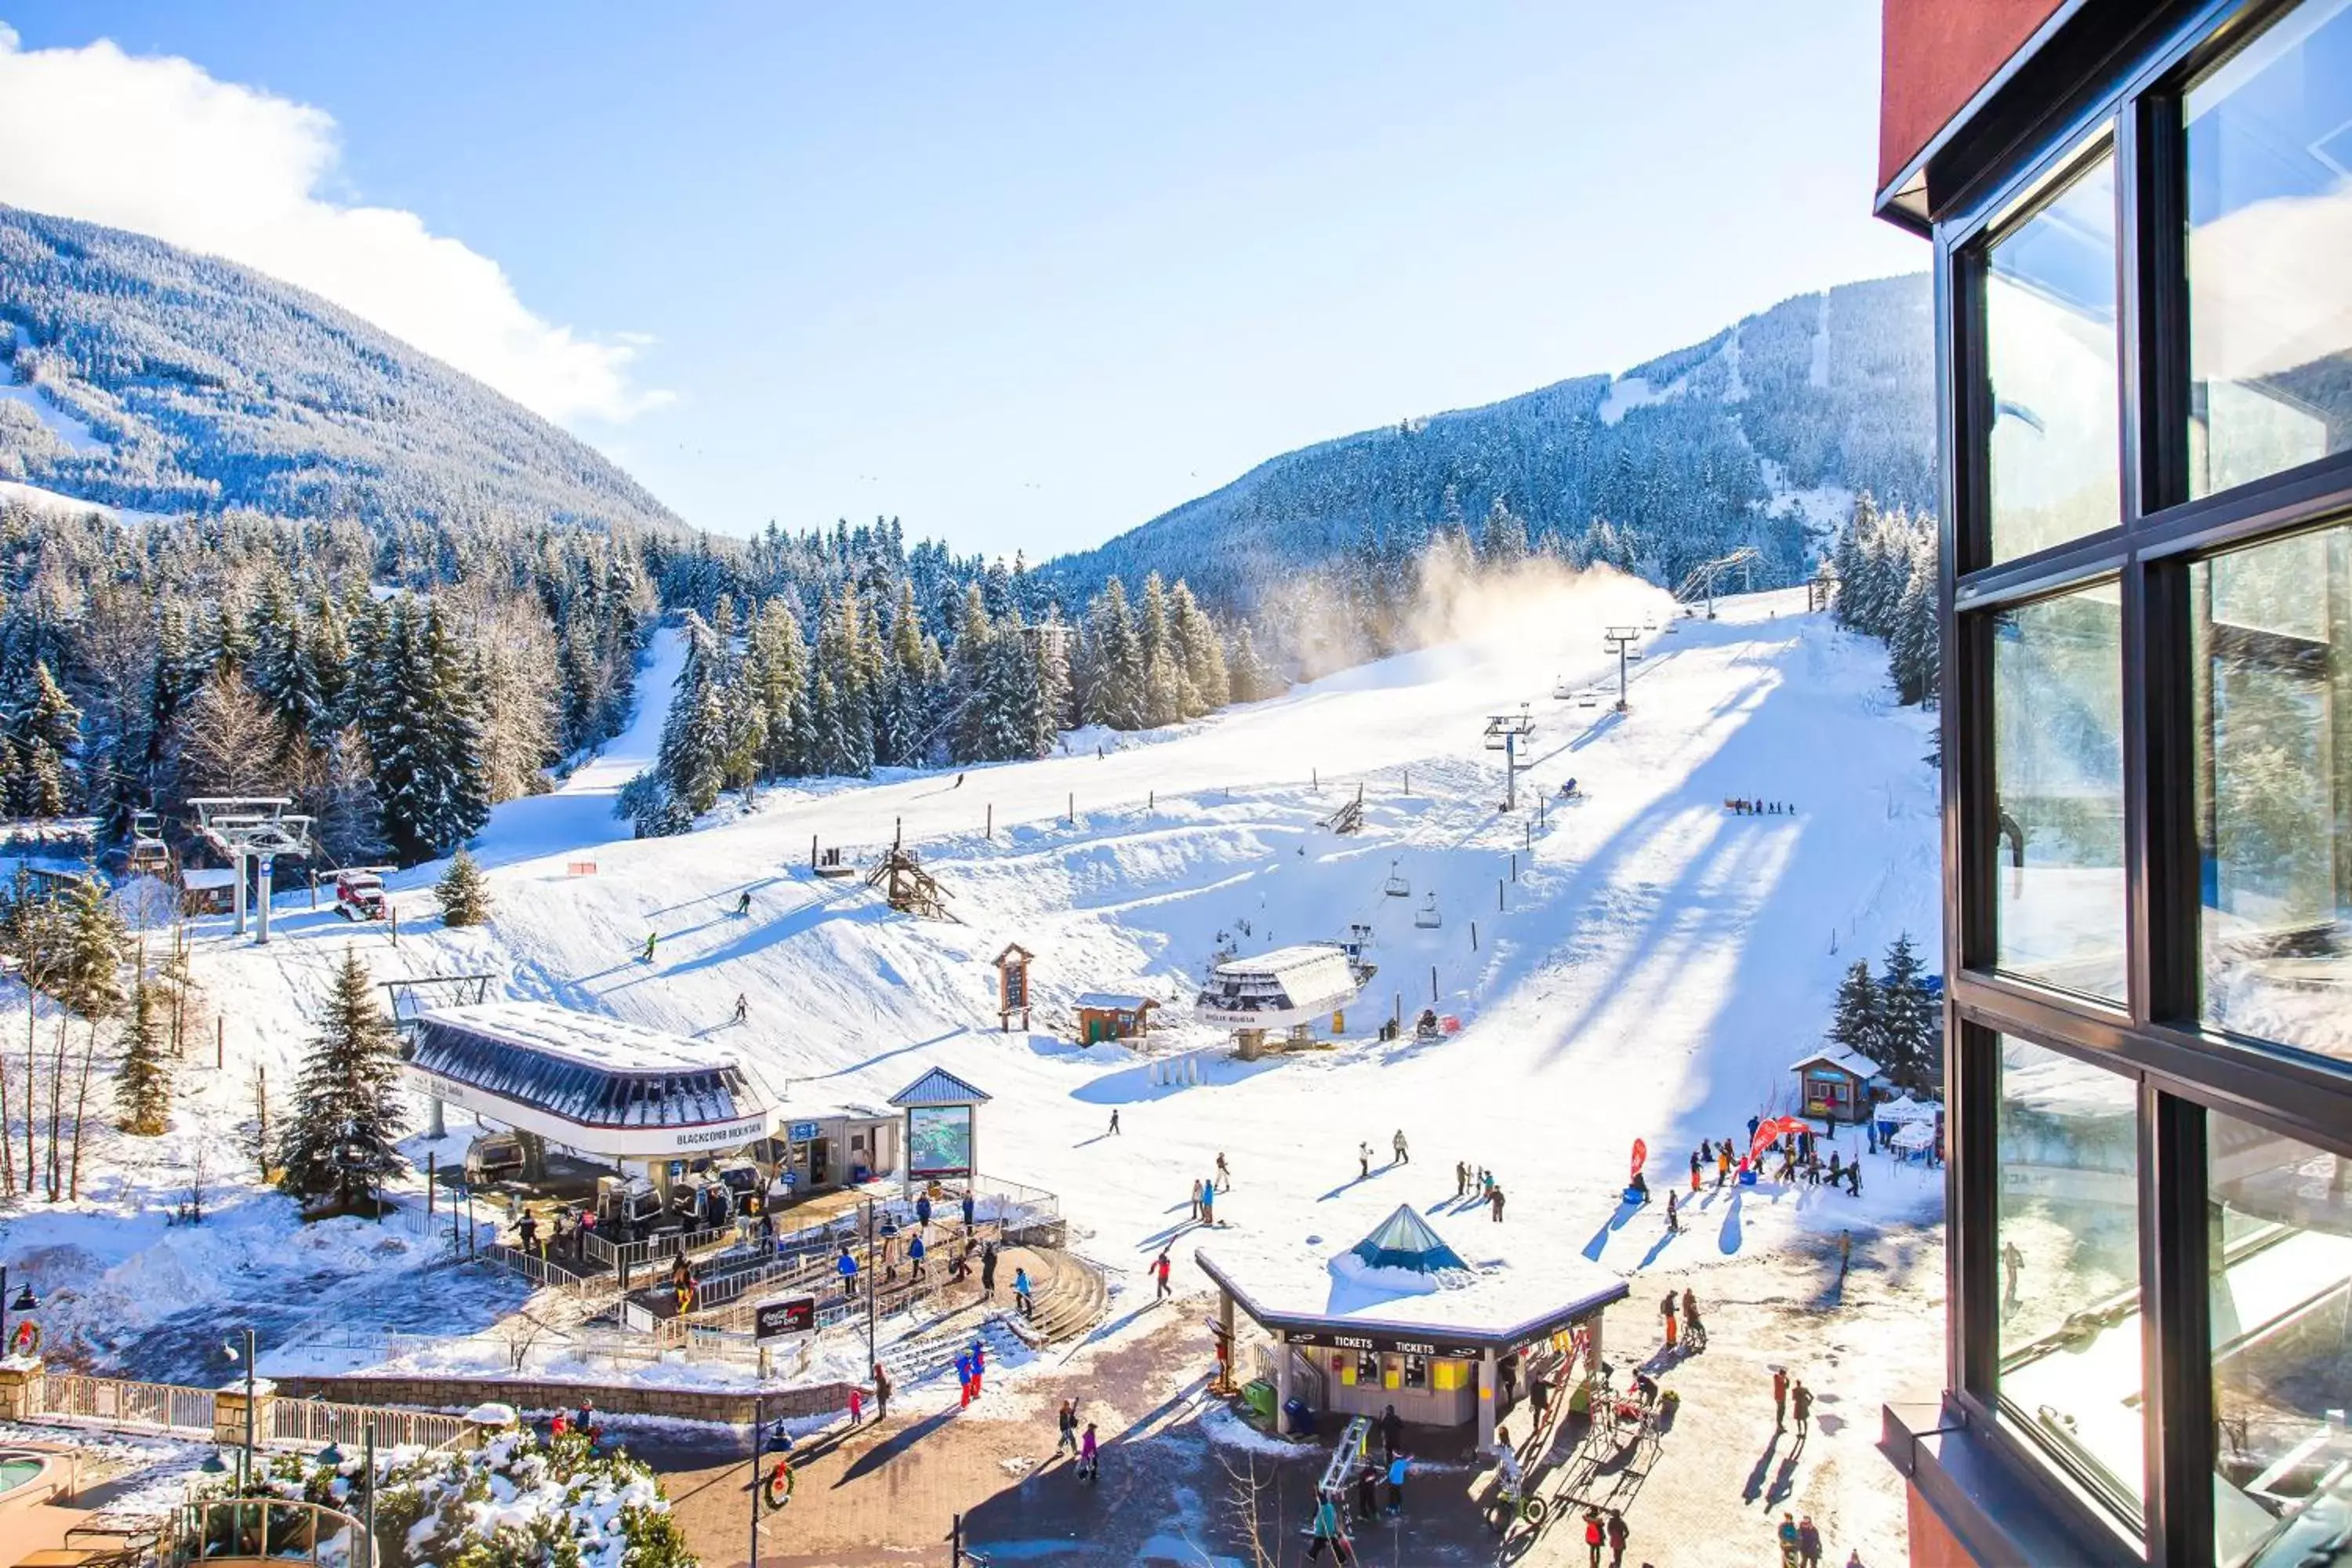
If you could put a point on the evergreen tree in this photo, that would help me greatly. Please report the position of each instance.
(1201, 653)
(142, 1084)
(1914, 649)
(775, 675)
(1114, 665)
(463, 892)
(1859, 1021)
(971, 669)
(1912, 1031)
(347, 1098)
(1504, 543)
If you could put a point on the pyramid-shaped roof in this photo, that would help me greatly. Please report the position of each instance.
(937, 1087)
(1404, 1240)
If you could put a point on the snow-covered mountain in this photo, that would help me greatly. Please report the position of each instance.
(1760, 436)
(144, 377)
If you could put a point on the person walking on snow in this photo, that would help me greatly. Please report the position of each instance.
(1021, 1291)
(1326, 1531)
(988, 1272)
(978, 1365)
(1396, 1485)
(1397, 1145)
(1780, 1397)
(1808, 1542)
(1617, 1537)
(1800, 1406)
(881, 1393)
(1159, 1278)
(1595, 1537)
(1495, 1201)
(1208, 1202)
(1068, 1422)
(1722, 1164)
(1461, 1178)
(651, 937)
(1363, 1161)
(964, 1379)
(1692, 1328)
(1673, 1322)
(1225, 1177)
(1391, 1431)
(1114, 1122)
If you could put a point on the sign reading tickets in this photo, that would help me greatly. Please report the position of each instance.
(938, 1141)
(774, 1320)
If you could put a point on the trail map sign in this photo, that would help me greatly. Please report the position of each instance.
(938, 1141)
(775, 1319)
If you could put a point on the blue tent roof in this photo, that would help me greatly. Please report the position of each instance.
(937, 1087)
(1404, 1240)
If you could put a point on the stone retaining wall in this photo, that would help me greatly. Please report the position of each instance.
(465, 1393)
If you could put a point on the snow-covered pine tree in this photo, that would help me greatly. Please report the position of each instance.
(1252, 679)
(1858, 1019)
(348, 1095)
(143, 1083)
(1912, 646)
(1014, 699)
(88, 981)
(464, 891)
(971, 667)
(49, 731)
(1201, 650)
(1503, 542)
(1912, 1032)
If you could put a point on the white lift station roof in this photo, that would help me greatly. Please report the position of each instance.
(589, 1082)
(1277, 990)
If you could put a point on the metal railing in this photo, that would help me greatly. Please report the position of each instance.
(114, 1401)
(611, 1255)
(546, 1273)
(316, 1422)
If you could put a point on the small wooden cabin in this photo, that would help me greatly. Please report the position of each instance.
(1835, 1084)
(207, 889)
(1113, 1016)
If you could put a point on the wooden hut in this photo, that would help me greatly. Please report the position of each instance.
(1835, 1083)
(1112, 1015)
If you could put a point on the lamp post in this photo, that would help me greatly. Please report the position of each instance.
(334, 1458)
(23, 1303)
(759, 1440)
(245, 1462)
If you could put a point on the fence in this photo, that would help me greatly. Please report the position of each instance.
(613, 1256)
(545, 1273)
(314, 1423)
(164, 1406)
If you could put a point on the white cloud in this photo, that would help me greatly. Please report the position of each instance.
(158, 146)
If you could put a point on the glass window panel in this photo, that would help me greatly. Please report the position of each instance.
(2052, 459)
(2068, 1255)
(2270, 230)
(2272, 626)
(2278, 1220)
(2058, 781)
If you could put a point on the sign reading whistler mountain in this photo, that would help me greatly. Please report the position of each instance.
(938, 1141)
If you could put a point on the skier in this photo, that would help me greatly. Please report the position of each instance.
(1159, 1278)
(742, 1008)
(743, 904)
(1068, 1422)
(1114, 1122)
(651, 938)
(1088, 1458)
(1495, 1201)
(1363, 1161)
(1397, 1145)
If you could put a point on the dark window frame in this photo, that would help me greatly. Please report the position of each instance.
(2182, 1067)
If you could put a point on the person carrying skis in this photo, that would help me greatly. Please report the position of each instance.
(1159, 1276)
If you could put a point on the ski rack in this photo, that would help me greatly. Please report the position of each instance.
(1346, 1457)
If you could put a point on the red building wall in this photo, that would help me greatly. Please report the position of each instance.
(1933, 55)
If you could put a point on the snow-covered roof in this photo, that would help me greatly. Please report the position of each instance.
(937, 1087)
(1282, 960)
(1300, 1284)
(1289, 985)
(1913, 1135)
(204, 878)
(1116, 1001)
(1907, 1109)
(588, 1070)
(1842, 1058)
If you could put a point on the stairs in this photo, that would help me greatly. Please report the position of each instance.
(1070, 1295)
(922, 1357)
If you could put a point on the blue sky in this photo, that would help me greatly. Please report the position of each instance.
(1024, 275)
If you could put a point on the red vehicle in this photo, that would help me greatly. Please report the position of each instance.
(359, 896)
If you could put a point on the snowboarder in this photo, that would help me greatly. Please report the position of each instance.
(651, 938)
(1495, 1201)
(1391, 1431)
(744, 903)
(1089, 1459)
(1396, 1144)
(1068, 1422)
(1396, 1485)
(1780, 1397)
(1114, 1122)
(1225, 1177)
(742, 1008)
(1800, 1406)
(1363, 1161)
(1326, 1532)
(1159, 1278)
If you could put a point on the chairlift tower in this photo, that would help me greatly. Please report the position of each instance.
(1504, 733)
(252, 827)
(1619, 639)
